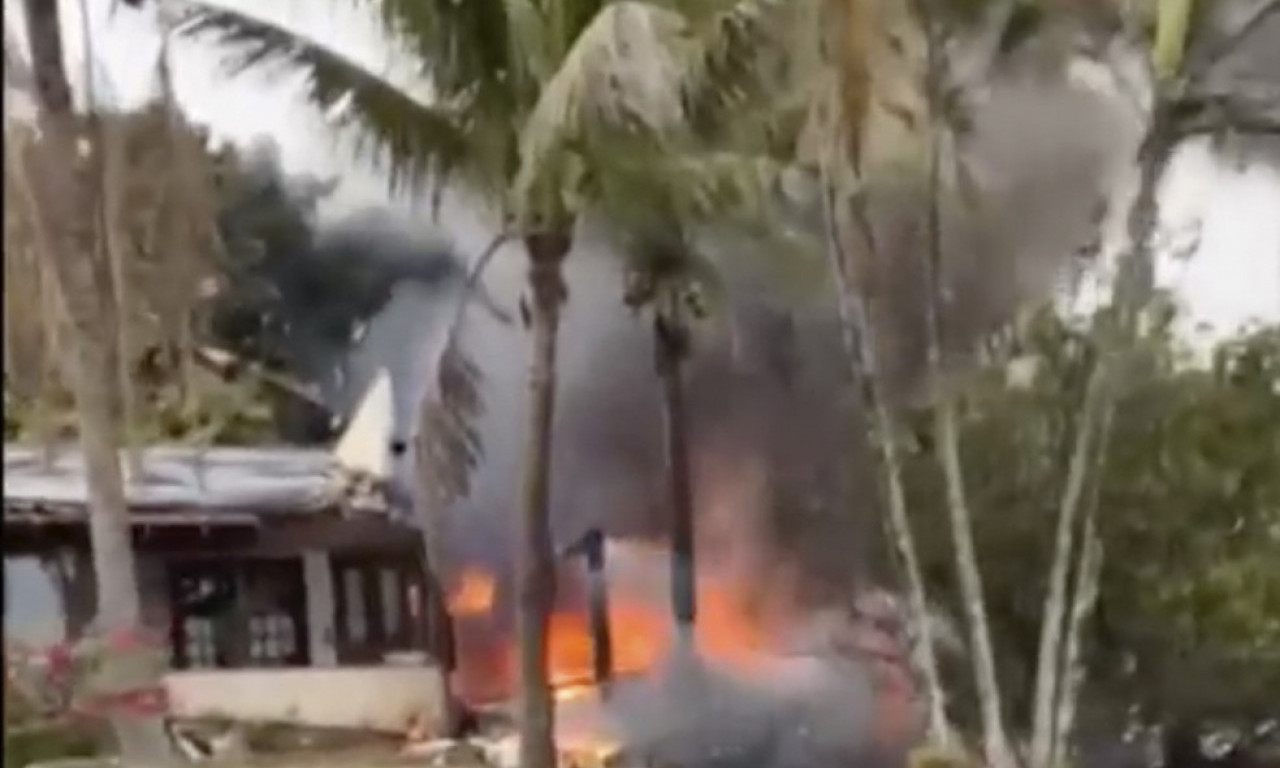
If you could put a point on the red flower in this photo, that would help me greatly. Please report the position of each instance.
(59, 659)
(124, 639)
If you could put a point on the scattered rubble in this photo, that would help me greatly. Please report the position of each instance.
(503, 751)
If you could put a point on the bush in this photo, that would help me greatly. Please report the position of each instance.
(940, 757)
(39, 742)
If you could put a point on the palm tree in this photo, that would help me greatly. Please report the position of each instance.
(889, 126)
(846, 49)
(663, 280)
(529, 106)
(65, 193)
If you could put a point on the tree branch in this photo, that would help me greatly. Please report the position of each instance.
(1256, 18)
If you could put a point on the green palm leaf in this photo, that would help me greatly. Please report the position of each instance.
(413, 139)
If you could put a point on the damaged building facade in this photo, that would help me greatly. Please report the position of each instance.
(247, 557)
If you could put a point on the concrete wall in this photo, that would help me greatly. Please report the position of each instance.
(392, 699)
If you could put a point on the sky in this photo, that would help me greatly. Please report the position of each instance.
(1232, 278)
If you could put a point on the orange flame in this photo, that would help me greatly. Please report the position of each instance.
(474, 595)
(640, 632)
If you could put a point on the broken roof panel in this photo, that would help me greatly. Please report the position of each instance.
(261, 480)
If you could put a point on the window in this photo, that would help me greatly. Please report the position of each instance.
(353, 591)
(272, 639)
(199, 644)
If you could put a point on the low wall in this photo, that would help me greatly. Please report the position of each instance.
(390, 699)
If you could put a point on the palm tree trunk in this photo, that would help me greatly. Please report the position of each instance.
(996, 747)
(1132, 292)
(536, 559)
(1071, 676)
(671, 347)
(860, 350)
(1083, 602)
(65, 190)
(1047, 682)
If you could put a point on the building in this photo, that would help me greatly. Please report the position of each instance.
(246, 556)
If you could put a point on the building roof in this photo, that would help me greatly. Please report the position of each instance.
(180, 479)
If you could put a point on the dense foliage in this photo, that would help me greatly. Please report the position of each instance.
(1188, 511)
(158, 189)
(227, 346)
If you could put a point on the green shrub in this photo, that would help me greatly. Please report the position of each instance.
(28, 744)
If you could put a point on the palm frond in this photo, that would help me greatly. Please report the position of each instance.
(618, 81)
(480, 47)
(637, 188)
(414, 139)
(741, 55)
(449, 447)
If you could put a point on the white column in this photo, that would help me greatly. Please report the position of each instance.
(317, 576)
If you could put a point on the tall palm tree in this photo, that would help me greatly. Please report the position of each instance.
(890, 125)
(846, 52)
(664, 281)
(65, 194)
(531, 104)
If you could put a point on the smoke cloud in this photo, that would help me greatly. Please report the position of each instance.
(767, 385)
(784, 486)
(1043, 157)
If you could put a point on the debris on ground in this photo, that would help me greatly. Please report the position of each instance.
(503, 751)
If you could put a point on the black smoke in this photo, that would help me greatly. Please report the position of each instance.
(300, 293)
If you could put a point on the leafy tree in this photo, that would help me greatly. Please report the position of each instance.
(901, 111)
(179, 281)
(1186, 611)
(1190, 512)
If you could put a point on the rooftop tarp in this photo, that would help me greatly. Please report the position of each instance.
(178, 478)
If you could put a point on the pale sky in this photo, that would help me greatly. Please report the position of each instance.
(1232, 279)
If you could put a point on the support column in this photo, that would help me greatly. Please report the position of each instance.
(598, 609)
(317, 576)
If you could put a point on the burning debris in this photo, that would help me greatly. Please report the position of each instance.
(822, 688)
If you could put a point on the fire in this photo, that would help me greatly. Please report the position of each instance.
(641, 634)
(474, 595)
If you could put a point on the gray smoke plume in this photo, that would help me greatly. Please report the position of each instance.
(1044, 156)
(784, 489)
(768, 384)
